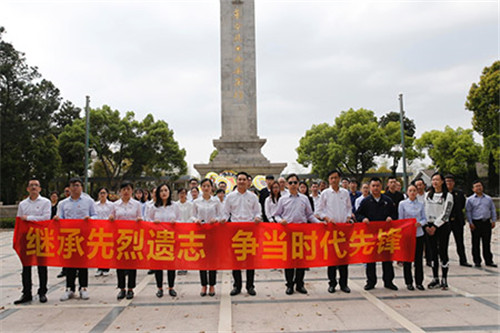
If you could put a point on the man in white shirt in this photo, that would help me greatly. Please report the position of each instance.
(76, 206)
(315, 194)
(34, 208)
(242, 206)
(294, 207)
(335, 207)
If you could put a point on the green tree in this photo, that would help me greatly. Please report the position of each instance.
(66, 115)
(27, 144)
(484, 102)
(350, 145)
(452, 151)
(123, 147)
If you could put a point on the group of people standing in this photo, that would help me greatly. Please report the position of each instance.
(287, 200)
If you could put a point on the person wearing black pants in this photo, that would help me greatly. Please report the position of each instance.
(377, 207)
(438, 207)
(482, 215)
(457, 220)
(34, 208)
(159, 282)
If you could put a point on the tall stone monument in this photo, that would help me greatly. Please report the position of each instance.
(239, 145)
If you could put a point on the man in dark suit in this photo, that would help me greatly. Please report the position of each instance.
(264, 193)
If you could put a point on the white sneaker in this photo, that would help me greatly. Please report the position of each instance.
(98, 273)
(105, 273)
(67, 295)
(84, 294)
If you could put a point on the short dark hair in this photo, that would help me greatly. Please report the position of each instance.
(334, 171)
(270, 177)
(220, 191)
(449, 176)
(194, 188)
(354, 180)
(392, 177)
(375, 179)
(345, 178)
(292, 175)
(75, 180)
(207, 180)
(242, 173)
(182, 189)
(127, 183)
(477, 181)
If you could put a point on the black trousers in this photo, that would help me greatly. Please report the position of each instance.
(458, 234)
(83, 278)
(295, 276)
(387, 273)
(42, 279)
(419, 269)
(427, 248)
(238, 282)
(439, 248)
(482, 233)
(332, 275)
(208, 277)
(122, 273)
(170, 278)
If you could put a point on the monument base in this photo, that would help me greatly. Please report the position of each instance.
(274, 169)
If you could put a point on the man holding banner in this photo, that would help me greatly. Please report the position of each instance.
(294, 207)
(335, 207)
(242, 206)
(377, 207)
(76, 206)
(34, 208)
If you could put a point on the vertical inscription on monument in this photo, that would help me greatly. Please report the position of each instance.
(238, 94)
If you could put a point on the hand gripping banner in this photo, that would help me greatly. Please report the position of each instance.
(190, 246)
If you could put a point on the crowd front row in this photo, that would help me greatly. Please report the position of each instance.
(282, 204)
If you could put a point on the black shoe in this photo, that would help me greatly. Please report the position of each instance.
(434, 284)
(121, 294)
(301, 290)
(203, 293)
(42, 298)
(331, 289)
(159, 293)
(369, 286)
(289, 290)
(492, 264)
(235, 291)
(391, 286)
(212, 294)
(24, 299)
(477, 265)
(184, 272)
(130, 294)
(465, 264)
(61, 274)
(251, 291)
(410, 287)
(172, 292)
(150, 272)
(346, 289)
(420, 287)
(444, 285)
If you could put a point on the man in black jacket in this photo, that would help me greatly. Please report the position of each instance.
(264, 193)
(377, 207)
(457, 218)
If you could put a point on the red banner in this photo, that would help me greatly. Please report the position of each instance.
(245, 245)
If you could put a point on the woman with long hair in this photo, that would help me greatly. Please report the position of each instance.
(103, 208)
(164, 210)
(271, 202)
(207, 209)
(438, 205)
(304, 189)
(126, 209)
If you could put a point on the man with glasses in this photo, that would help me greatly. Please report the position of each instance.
(294, 207)
(76, 206)
(34, 208)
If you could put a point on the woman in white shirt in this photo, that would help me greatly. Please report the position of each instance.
(271, 202)
(207, 209)
(164, 210)
(103, 208)
(438, 206)
(126, 209)
(186, 209)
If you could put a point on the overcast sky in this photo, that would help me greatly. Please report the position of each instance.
(314, 60)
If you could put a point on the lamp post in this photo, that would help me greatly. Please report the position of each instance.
(87, 121)
(401, 118)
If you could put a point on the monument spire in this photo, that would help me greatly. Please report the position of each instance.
(239, 146)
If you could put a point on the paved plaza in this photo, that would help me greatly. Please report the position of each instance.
(470, 305)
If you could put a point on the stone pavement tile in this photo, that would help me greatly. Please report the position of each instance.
(51, 319)
(167, 318)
